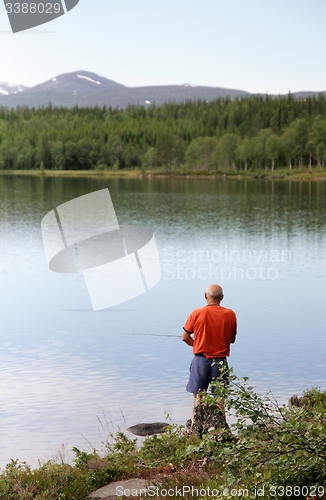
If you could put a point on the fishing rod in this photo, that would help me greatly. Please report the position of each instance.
(152, 335)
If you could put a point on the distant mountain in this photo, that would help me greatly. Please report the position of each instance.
(82, 88)
(308, 93)
(76, 82)
(11, 88)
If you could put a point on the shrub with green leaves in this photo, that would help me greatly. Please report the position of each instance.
(167, 448)
(269, 444)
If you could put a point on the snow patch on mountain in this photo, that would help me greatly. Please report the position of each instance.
(7, 88)
(89, 79)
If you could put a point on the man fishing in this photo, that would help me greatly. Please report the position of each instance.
(213, 328)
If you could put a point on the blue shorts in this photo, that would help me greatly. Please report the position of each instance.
(202, 372)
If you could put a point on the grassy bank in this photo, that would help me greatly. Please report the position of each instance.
(271, 452)
(73, 173)
(285, 174)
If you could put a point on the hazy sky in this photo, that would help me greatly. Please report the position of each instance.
(255, 45)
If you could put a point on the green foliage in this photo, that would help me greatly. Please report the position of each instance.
(167, 448)
(50, 481)
(60, 481)
(201, 154)
(270, 444)
(149, 158)
(255, 131)
(122, 444)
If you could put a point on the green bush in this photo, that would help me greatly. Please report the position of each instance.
(270, 445)
(167, 448)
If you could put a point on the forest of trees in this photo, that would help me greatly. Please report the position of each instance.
(257, 132)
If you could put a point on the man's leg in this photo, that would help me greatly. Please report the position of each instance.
(198, 380)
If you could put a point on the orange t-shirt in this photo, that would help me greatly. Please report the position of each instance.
(213, 328)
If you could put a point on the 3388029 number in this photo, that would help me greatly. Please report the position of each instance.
(33, 8)
(296, 491)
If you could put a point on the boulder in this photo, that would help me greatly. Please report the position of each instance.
(148, 429)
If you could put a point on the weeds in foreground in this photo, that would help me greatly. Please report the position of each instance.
(270, 451)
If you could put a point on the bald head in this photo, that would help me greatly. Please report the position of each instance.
(214, 293)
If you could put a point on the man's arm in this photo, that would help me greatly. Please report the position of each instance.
(187, 338)
(234, 330)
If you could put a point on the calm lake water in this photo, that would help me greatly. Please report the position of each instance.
(70, 376)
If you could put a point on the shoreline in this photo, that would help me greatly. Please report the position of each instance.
(286, 175)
